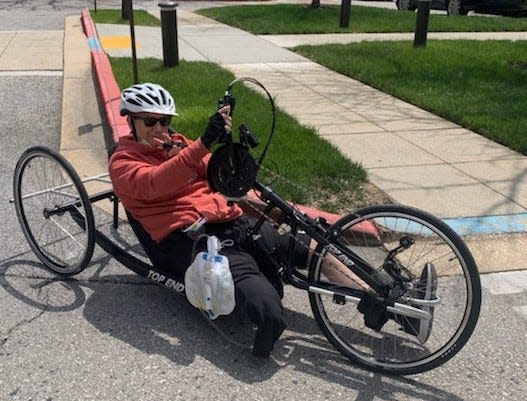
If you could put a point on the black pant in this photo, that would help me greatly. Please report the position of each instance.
(254, 292)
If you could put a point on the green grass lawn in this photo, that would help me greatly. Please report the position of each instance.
(480, 85)
(141, 17)
(318, 173)
(300, 18)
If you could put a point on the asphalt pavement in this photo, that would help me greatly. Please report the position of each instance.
(108, 334)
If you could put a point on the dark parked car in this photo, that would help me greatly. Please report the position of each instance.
(455, 7)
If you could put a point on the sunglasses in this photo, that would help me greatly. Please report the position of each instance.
(152, 121)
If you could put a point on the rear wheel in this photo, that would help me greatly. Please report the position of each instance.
(54, 210)
(371, 233)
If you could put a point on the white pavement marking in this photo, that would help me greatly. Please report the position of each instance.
(30, 73)
(31, 51)
(506, 283)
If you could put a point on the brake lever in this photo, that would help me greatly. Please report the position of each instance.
(229, 100)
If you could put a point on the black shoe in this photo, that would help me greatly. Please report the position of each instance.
(424, 289)
(265, 338)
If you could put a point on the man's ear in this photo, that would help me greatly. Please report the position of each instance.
(130, 121)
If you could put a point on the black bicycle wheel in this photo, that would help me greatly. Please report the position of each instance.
(54, 210)
(399, 347)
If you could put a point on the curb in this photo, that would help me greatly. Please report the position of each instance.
(108, 87)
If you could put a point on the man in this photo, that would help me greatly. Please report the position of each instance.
(160, 177)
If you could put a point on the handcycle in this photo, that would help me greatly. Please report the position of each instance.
(390, 250)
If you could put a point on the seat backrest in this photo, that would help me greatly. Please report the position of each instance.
(146, 241)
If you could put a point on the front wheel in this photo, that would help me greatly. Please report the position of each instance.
(54, 210)
(437, 253)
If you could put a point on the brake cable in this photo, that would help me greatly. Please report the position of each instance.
(273, 110)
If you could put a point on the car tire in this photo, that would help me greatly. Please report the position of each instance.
(455, 7)
(405, 5)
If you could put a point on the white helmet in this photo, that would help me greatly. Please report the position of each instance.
(147, 98)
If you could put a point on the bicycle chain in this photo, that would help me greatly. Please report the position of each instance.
(282, 230)
(290, 234)
(245, 200)
(286, 180)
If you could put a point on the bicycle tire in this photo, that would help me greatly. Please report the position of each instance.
(44, 181)
(371, 232)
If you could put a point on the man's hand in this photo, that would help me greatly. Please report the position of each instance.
(176, 148)
(219, 123)
(158, 142)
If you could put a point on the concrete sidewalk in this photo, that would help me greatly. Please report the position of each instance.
(414, 156)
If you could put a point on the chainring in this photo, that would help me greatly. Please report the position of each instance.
(232, 170)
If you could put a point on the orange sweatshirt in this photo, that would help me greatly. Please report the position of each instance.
(165, 194)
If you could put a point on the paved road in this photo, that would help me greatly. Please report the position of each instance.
(108, 335)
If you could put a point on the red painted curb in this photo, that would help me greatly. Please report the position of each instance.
(108, 87)
(87, 24)
(110, 94)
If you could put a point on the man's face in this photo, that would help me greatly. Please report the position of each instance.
(151, 129)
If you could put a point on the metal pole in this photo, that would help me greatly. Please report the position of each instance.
(132, 37)
(421, 23)
(125, 9)
(95, 6)
(169, 32)
(345, 11)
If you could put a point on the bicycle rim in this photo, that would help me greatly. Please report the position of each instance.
(371, 233)
(43, 182)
